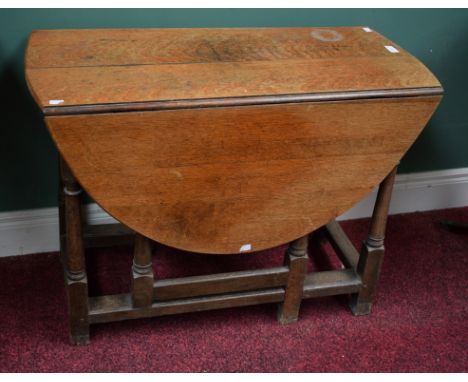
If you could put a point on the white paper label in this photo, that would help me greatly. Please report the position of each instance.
(367, 29)
(56, 101)
(391, 49)
(245, 247)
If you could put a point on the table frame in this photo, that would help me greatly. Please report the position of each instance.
(286, 285)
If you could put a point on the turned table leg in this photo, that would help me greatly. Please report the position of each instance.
(61, 210)
(372, 253)
(296, 259)
(73, 256)
(142, 273)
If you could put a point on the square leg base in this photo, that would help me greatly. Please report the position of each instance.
(360, 309)
(80, 339)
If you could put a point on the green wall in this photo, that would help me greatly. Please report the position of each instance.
(439, 38)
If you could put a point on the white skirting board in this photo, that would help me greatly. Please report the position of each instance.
(36, 231)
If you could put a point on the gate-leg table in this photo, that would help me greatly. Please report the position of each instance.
(225, 141)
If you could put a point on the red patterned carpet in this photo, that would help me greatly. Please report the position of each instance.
(419, 322)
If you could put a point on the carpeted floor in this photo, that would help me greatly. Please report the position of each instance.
(419, 322)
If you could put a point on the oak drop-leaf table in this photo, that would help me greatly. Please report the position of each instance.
(224, 141)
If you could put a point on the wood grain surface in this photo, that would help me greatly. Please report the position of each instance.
(114, 47)
(218, 180)
(115, 66)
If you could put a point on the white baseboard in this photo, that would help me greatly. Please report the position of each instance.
(36, 231)
(421, 191)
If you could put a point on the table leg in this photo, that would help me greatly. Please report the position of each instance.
(296, 259)
(74, 261)
(142, 273)
(61, 210)
(372, 253)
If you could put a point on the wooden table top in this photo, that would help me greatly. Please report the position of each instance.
(138, 69)
(228, 140)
